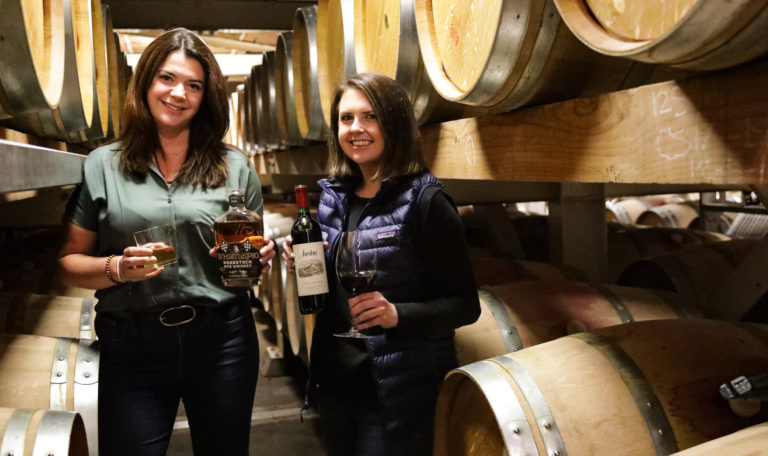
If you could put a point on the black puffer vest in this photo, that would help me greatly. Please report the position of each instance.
(407, 374)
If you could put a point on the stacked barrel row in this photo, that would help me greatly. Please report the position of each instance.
(459, 59)
(557, 365)
(62, 74)
(49, 362)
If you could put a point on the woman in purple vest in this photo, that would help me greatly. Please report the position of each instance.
(377, 396)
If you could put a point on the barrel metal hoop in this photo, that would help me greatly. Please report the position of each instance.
(15, 434)
(524, 89)
(648, 404)
(553, 441)
(615, 301)
(515, 430)
(59, 371)
(87, 390)
(87, 363)
(55, 428)
(508, 45)
(86, 319)
(509, 333)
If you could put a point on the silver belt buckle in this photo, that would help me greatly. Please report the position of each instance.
(167, 313)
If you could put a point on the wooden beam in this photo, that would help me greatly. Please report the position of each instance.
(204, 14)
(710, 129)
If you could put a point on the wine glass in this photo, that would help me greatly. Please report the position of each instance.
(355, 268)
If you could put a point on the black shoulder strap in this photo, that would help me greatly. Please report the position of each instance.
(425, 198)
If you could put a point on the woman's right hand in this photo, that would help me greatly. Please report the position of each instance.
(137, 264)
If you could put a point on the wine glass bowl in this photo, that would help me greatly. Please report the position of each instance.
(355, 268)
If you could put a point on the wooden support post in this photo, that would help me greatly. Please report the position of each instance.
(577, 229)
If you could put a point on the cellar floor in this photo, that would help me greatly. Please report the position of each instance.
(276, 428)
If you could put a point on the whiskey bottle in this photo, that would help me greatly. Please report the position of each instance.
(239, 237)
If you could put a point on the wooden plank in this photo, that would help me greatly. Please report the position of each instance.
(710, 129)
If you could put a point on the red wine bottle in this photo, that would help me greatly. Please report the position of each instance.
(309, 257)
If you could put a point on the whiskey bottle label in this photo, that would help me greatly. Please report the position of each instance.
(239, 262)
(310, 269)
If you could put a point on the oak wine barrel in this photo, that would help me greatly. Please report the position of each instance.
(253, 117)
(100, 117)
(494, 270)
(630, 243)
(263, 291)
(697, 273)
(504, 55)
(626, 211)
(276, 226)
(680, 215)
(233, 133)
(113, 51)
(644, 388)
(33, 432)
(46, 315)
(269, 138)
(745, 442)
(31, 56)
(279, 227)
(691, 34)
(335, 48)
(51, 373)
(73, 117)
(522, 314)
(306, 84)
(241, 119)
(386, 43)
(296, 328)
(285, 101)
(277, 294)
(124, 71)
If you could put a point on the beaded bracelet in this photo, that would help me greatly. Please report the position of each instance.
(106, 268)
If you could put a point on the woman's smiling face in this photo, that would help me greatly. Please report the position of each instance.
(360, 135)
(176, 92)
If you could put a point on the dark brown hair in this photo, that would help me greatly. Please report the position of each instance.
(402, 140)
(205, 163)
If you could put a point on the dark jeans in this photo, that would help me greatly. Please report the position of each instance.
(145, 368)
(359, 426)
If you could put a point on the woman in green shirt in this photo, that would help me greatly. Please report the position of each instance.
(174, 332)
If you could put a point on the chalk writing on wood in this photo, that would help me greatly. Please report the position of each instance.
(470, 152)
(667, 103)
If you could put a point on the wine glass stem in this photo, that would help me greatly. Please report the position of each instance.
(353, 329)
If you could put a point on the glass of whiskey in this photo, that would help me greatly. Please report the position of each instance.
(160, 240)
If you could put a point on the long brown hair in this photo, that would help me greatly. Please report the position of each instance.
(205, 162)
(402, 153)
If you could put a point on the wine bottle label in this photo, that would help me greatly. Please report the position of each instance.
(310, 268)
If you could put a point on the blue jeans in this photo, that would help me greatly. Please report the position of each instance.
(359, 426)
(145, 368)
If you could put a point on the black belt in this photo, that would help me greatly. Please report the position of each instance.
(177, 315)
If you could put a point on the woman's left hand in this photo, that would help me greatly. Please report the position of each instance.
(266, 253)
(372, 309)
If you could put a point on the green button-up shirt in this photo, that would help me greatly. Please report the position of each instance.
(115, 206)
